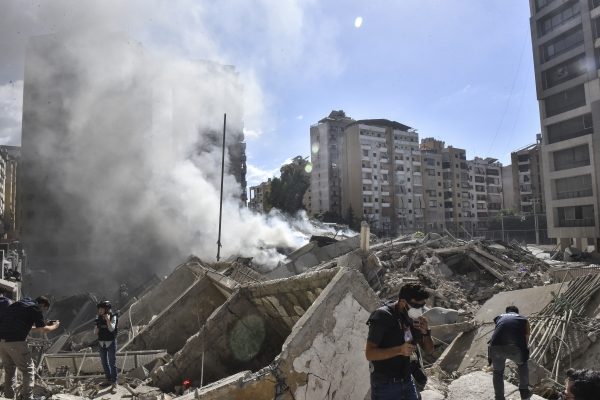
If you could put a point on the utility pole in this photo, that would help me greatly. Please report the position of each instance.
(222, 176)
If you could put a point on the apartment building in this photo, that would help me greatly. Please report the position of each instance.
(325, 182)
(381, 177)
(10, 216)
(566, 57)
(527, 183)
(259, 196)
(485, 176)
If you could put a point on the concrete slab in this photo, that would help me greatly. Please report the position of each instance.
(478, 386)
(432, 395)
(322, 356)
(244, 333)
(160, 297)
(183, 317)
(529, 301)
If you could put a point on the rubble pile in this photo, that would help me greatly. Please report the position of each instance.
(232, 330)
(461, 274)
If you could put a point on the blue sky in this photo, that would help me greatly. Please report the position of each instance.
(457, 70)
(461, 71)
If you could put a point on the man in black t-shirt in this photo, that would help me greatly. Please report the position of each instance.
(510, 341)
(394, 331)
(17, 321)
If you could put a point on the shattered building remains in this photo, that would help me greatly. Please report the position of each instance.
(232, 332)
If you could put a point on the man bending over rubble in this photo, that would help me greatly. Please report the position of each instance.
(394, 331)
(16, 323)
(510, 340)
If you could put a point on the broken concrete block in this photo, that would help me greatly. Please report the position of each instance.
(447, 333)
(140, 373)
(478, 386)
(441, 316)
(432, 395)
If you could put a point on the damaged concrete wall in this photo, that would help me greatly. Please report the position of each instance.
(182, 319)
(159, 298)
(311, 255)
(246, 332)
(323, 357)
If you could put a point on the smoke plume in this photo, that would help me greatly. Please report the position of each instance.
(125, 127)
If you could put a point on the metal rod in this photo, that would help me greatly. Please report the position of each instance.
(222, 176)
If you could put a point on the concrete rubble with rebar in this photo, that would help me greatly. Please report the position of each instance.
(298, 332)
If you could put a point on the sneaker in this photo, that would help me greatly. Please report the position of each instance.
(113, 388)
(105, 383)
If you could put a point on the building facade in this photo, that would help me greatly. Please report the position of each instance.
(527, 182)
(485, 176)
(259, 196)
(381, 175)
(11, 214)
(566, 59)
(325, 181)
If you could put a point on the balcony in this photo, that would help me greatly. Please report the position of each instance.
(574, 194)
(574, 223)
(571, 164)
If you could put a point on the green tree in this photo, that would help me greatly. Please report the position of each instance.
(287, 192)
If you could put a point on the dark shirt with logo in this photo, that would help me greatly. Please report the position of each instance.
(387, 328)
(18, 318)
(104, 334)
(511, 329)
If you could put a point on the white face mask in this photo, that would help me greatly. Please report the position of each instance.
(415, 313)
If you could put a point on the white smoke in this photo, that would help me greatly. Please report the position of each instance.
(138, 162)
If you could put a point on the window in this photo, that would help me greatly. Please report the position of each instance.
(572, 187)
(433, 203)
(563, 72)
(562, 44)
(565, 101)
(558, 17)
(366, 153)
(569, 129)
(575, 216)
(573, 157)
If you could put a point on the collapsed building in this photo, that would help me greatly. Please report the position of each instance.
(299, 331)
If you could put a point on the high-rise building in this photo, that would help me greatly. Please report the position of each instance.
(454, 187)
(485, 175)
(527, 182)
(11, 216)
(381, 175)
(325, 184)
(566, 58)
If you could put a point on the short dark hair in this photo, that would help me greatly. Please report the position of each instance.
(414, 291)
(512, 309)
(586, 383)
(43, 300)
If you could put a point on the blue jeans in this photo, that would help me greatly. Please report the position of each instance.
(108, 356)
(499, 355)
(405, 390)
